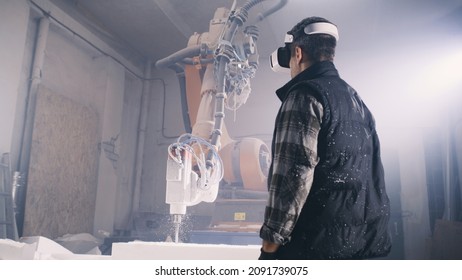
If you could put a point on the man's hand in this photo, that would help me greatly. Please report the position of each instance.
(268, 251)
(269, 247)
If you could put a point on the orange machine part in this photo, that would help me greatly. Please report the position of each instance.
(241, 160)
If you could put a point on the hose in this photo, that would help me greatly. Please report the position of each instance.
(247, 6)
(272, 10)
(184, 99)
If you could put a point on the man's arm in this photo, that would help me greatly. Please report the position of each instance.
(295, 157)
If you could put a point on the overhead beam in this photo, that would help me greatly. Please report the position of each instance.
(63, 20)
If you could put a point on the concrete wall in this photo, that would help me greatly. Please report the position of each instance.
(14, 19)
(163, 127)
(127, 157)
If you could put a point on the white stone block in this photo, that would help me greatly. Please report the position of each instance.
(183, 251)
(13, 250)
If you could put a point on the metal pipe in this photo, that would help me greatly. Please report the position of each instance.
(35, 80)
(179, 56)
(26, 134)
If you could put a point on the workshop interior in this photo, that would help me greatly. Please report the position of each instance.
(151, 120)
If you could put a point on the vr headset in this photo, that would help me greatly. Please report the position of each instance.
(279, 59)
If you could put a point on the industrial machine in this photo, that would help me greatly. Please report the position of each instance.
(205, 163)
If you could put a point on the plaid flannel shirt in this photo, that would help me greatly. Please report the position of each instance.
(294, 152)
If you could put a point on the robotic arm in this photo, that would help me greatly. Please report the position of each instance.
(215, 71)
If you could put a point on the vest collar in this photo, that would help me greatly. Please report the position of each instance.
(319, 69)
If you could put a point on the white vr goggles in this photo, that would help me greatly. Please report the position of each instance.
(279, 59)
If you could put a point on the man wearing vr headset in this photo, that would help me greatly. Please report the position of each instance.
(327, 197)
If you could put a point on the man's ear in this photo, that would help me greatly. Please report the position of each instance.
(298, 54)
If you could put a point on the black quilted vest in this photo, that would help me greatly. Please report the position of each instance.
(347, 211)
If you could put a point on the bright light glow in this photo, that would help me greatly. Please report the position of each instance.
(442, 77)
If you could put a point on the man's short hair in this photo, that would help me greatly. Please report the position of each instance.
(317, 47)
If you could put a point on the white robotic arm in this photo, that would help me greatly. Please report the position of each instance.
(191, 177)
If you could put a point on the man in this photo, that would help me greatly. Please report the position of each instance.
(327, 197)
